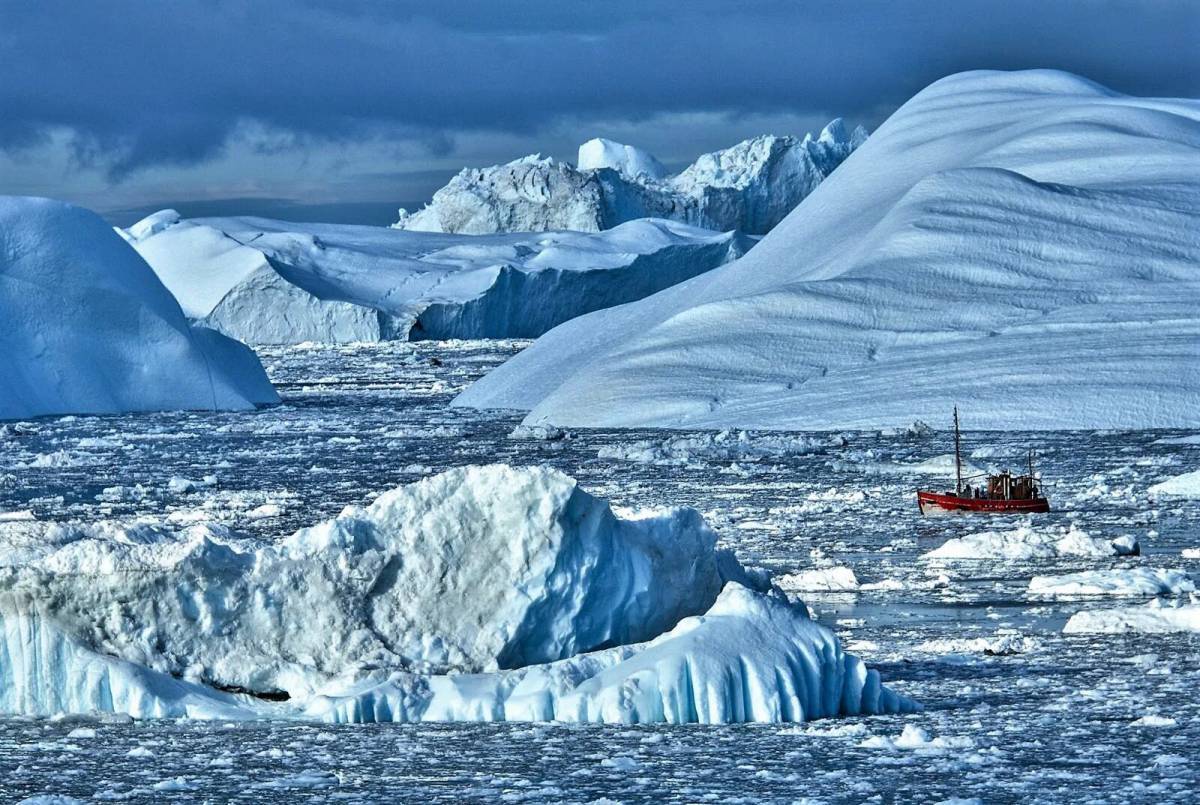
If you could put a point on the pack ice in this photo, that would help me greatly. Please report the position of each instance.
(1025, 244)
(482, 593)
(88, 328)
(276, 282)
(750, 187)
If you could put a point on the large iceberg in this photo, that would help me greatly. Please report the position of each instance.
(480, 593)
(1024, 244)
(750, 187)
(276, 282)
(88, 328)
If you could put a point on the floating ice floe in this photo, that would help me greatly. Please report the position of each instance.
(725, 445)
(1156, 617)
(481, 593)
(1131, 582)
(820, 580)
(277, 282)
(1033, 542)
(1182, 486)
(998, 229)
(88, 328)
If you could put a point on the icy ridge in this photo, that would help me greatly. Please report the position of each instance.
(749, 187)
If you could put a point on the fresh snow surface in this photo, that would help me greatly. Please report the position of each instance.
(88, 328)
(1032, 542)
(998, 230)
(1181, 486)
(1155, 617)
(1130, 582)
(407, 609)
(627, 160)
(750, 187)
(277, 282)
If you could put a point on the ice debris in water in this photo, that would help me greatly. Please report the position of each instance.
(1033, 542)
(408, 609)
(1159, 616)
(1132, 582)
(725, 445)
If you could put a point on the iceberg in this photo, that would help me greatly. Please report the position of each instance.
(1179, 486)
(276, 282)
(480, 593)
(999, 229)
(89, 329)
(750, 187)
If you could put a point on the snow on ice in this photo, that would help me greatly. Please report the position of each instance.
(277, 282)
(1181, 486)
(750, 187)
(88, 328)
(999, 229)
(480, 593)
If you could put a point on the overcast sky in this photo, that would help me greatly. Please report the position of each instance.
(343, 110)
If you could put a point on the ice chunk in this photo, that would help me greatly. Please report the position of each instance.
(1152, 618)
(1138, 581)
(1032, 542)
(820, 580)
(1183, 486)
(1001, 228)
(88, 328)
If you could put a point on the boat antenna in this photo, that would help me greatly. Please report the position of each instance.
(957, 456)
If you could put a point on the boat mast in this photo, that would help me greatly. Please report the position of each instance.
(957, 456)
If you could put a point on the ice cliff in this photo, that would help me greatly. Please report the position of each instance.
(1024, 244)
(480, 593)
(86, 327)
(273, 282)
(749, 187)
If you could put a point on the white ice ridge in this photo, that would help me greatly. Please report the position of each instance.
(423, 596)
(998, 230)
(86, 327)
(276, 282)
(750, 187)
(1032, 542)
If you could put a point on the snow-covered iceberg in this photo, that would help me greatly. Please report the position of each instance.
(1033, 542)
(86, 327)
(480, 593)
(1179, 486)
(1024, 244)
(1126, 582)
(750, 187)
(276, 282)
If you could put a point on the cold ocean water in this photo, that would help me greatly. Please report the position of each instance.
(1015, 710)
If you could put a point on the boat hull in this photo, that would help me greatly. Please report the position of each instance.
(940, 503)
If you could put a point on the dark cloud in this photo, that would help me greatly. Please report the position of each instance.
(150, 83)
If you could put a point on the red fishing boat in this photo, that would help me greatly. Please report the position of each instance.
(1004, 493)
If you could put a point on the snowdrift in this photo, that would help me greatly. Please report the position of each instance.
(1025, 244)
(474, 594)
(275, 282)
(88, 328)
(749, 187)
